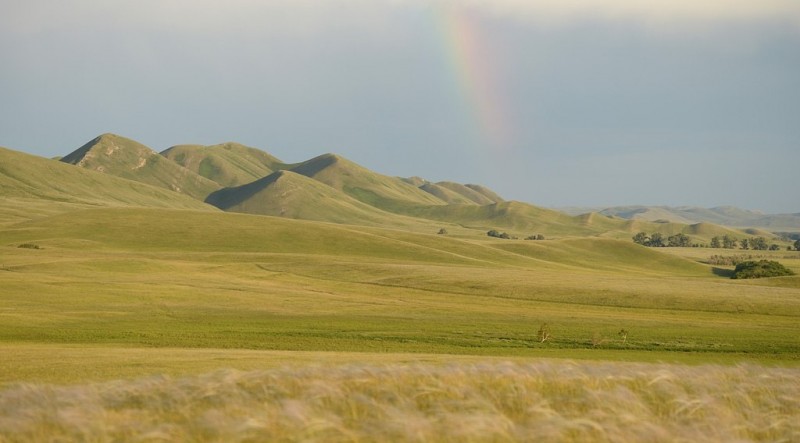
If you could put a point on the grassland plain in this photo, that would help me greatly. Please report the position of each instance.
(183, 292)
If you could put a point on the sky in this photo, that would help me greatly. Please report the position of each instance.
(552, 102)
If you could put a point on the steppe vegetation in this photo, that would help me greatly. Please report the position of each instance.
(489, 401)
(129, 311)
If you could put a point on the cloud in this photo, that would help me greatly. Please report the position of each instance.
(208, 15)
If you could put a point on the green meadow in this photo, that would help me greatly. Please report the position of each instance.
(154, 280)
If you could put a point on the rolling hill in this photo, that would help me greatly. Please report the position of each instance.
(126, 158)
(31, 186)
(381, 191)
(720, 215)
(333, 189)
(228, 164)
(292, 195)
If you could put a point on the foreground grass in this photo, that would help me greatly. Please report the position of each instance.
(488, 401)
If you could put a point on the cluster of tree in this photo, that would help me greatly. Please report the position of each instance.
(657, 240)
(754, 243)
(535, 237)
(498, 234)
(760, 269)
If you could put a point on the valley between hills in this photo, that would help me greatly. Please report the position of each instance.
(119, 262)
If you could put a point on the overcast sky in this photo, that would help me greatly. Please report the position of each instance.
(556, 103)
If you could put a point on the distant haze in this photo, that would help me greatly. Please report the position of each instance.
(557, 103)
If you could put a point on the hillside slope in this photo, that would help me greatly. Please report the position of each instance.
(32, 186)
(228, 164)
(126, 158)
(381, 191)
(720, 215)
(292, 195)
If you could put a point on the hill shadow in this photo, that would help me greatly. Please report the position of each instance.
(722, 272)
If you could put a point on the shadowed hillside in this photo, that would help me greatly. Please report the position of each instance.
(380, 191)
(126, 158)
(229, 164)
(291, 195)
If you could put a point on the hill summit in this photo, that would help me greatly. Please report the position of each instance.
(126, 158)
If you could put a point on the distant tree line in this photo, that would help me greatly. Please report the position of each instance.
(505, 235)
(657, 240)
(754, 243)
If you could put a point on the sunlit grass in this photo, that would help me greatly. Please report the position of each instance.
(486, 401)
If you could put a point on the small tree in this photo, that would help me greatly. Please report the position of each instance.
(774, 247)
(641, 238)
(745, 244)
(624, 334)
(442, 231)
(678, 241)
(715, 243)
(729, 242)
(656, 240)
(539, 237)
(797, 245)
(544, 333)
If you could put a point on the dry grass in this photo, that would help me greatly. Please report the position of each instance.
(493, 401)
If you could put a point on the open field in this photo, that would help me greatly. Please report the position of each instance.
(383, 327)
(156, 278)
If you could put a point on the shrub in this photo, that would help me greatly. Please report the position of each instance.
(760, 269)
(29, 246)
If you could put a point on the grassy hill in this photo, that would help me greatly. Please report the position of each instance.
(228, 164)
(380, 191)
(478, 195)
(720, 215)
(32, 186)
(291, 195)
(126, 158)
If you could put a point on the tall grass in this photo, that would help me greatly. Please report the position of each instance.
(545, 400)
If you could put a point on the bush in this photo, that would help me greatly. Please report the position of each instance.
(760, 269)
(29, 246)
(496, 234)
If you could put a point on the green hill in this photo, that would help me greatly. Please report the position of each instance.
(446, 195)
(388, 193)
(292, 195)
(229, 164)
(475, 196)
(126, 158)
(31, 185)
(144, 229)
(488, 193)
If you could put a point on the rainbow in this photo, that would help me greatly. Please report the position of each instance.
(473, 67)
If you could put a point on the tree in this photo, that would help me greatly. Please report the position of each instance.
(797, 245)
(759, 244)
(539, 237)
(715, 243)
(774, 247)
(544, 333)
(641, 238)
(679, 241)
(656, 240)
(745, 244)
(729, 242)
(442, 231)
